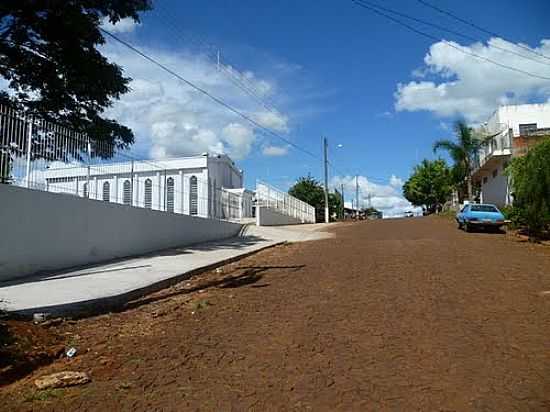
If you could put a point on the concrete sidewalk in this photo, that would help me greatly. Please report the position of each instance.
(99, 288)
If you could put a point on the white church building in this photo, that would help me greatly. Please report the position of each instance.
(206, 185)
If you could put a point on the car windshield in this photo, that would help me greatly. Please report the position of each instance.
(484, 208)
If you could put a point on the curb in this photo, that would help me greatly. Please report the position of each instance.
(117, 303)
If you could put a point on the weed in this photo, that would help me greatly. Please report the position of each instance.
(44, 395)
(124, 386)
(72, 342)
(200, 305)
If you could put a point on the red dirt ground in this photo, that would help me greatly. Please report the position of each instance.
(388, 315)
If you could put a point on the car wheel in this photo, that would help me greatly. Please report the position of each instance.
(467, 227)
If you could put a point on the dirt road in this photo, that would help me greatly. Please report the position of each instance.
(389, 315)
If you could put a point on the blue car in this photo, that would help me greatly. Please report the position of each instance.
(482, 216)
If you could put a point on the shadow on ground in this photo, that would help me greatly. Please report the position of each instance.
(249, 277)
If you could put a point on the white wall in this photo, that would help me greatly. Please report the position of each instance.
(513, 116)
(223, 171)
(496, 189)
(42, 231)
(116, 185)
(266, 216)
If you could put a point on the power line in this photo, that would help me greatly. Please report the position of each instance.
(228, 69)
(469, 23)
(434, 38)
(206, 93)
(456, 33)
(218, 100)
(348, 172)
(233, 74)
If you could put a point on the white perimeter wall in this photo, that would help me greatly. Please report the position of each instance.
(42, 231)
(266, 216)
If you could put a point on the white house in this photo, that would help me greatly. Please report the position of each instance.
(205, 185)
(509, 132)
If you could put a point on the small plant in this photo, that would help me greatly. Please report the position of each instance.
(124, 386)
(44, 395)
(73, 341)
(200, 305)
(514, 214)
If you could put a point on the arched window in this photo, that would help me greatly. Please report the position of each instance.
(85, 190)
(106, 191)
(193, 196)
(148, 200)
(127, 193)
(170, 195)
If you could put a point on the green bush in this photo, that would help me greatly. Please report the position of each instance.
(515, 215)
(531, 182)
(507, 211)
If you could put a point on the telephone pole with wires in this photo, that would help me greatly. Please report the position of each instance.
(357, 196)
(343, 201)
(325, 150)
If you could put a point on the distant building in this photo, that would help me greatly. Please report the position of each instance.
(205, 185)
(510, 132)
(369, 213)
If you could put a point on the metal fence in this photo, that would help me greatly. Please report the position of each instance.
(268, 196)
(42, 155)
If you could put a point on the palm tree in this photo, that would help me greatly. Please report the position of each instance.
(462, 152)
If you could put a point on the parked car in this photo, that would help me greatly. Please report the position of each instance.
(482, 216)
(408, 213)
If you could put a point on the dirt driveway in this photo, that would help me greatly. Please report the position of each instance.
(388, 315)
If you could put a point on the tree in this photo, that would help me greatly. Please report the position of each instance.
(335, 204)
(430, 185)
(530, 177)
(371, 211)
(49, 56)
(309, 190)
(462, 152)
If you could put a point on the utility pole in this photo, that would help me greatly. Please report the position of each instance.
(343, 202)
(325, 150)
(357, 196)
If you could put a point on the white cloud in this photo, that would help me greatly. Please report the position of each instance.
(171, 119)
(444, 126)
(387, 114)
(272, 120)
(396, 182)
(125, 25)
(239, 138)
(469, 87)
(275, 150)
(419, 73)
(387, 198)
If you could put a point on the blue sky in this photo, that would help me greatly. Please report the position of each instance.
(331, 69)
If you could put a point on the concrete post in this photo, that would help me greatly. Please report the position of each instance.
(29, 151)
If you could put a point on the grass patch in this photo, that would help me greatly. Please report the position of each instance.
(44, 395)
(124, 386)
(447, 214)
(201, 304)
(72, 342)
